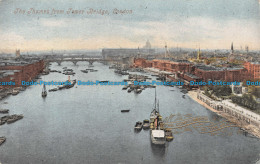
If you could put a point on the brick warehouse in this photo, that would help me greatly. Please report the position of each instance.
(190, 72)
(253, 70)
(20, 71)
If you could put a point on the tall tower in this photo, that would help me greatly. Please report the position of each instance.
(198, 54)
(247, 49)
(138, 53)
(17, 53)
(232, 48)
(166, 51)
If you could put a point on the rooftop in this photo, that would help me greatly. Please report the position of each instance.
(212, 68)
(255, 63)
(192, 76)
(16, 63)
(209, 68)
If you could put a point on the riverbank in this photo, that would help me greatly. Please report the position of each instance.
(247, 127)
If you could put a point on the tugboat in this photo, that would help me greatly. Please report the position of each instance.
(44, 92)
(156, 125)
(168, 134)
(126, 110)
(146, 124)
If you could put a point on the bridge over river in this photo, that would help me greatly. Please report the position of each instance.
(74, 59)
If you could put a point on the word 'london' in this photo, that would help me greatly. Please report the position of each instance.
(33, 11)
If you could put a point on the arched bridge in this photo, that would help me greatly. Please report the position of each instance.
(75, 60)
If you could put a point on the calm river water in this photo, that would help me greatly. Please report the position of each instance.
(84, 125)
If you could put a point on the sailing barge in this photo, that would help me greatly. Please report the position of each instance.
(156, 125)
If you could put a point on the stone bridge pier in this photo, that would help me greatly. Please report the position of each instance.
(91, 62)
(59, 62)
(75, 62)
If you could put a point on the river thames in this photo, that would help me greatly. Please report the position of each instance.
(84, 124)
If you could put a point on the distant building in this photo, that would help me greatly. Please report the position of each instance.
(17, 53)
(116, 53)
(189, 71)
(231, 56)
(18, 71)
(232, 48)
(198, 55)
(147, 45)
(253, 69)
(125, 52)
(239, 90)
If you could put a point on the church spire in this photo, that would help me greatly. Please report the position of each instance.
(198, 55)
(232, 48)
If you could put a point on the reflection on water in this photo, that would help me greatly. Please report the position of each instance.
(158, 150)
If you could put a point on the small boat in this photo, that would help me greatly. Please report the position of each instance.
(123, 111)
(146, 124)
(69, 73)
(138, 125)
(138, 91)
(13, 118)
(84, 71)
(2, 122)
(2, 140)
(44, 92)
(4, 111)
(129, 90)
(15, 92)
(184, 91)
(52, 90)
(22, 89)
(125, 87)
(152, 86)
(93, 70)
(183, 96)
(168, 134)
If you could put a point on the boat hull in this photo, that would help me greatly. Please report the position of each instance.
(156, 142)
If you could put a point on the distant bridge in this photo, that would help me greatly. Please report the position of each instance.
(74, 60)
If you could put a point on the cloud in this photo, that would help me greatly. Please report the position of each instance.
(70, 33)
(207, 32)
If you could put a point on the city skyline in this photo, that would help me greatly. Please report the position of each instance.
(187, 24)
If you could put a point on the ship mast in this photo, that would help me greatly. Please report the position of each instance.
(44, 88)
(158, 106)
(155, 100)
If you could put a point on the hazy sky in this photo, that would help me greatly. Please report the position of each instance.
(186, 23)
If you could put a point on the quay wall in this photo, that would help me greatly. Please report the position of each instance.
(231, 109)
